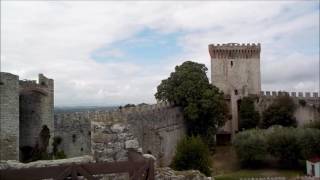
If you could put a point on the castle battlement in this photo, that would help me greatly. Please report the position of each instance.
(116, 114)
(313, 95)
(235, 50)
(42, 82)
(146, 107)
(30, 83)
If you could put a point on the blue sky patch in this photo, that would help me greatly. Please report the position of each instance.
(147, 46)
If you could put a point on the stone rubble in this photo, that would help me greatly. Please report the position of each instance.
(167, 173)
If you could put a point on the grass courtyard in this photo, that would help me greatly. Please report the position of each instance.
(226, 167)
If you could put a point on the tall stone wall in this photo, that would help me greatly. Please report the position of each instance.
(9, 116)
(155, 128)
(307, 104)
(307, 107)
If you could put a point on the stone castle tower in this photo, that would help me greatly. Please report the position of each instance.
(25, 107)
(235, 69)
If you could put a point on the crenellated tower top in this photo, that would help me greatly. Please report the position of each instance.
(234, 50)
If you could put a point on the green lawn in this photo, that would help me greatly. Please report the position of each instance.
(258, 173)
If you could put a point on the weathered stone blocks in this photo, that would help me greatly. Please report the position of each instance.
(9, 116)
(132, 144)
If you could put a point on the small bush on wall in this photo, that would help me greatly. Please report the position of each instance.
(280, 112)
(302, 102)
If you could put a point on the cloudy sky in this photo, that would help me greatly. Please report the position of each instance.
(108, 53)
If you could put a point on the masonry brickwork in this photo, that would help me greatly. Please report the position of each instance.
(26, 106)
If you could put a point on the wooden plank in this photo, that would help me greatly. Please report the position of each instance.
(64, 174)
(85, 173)
(134, 168)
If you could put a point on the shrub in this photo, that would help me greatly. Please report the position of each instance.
(309, 141)
(129, 105)
(283, 144)
(302, 102)
(249, 117)
(60, 155)
(192, 153)
(288, 145)
(315, 124)
(55, 152)
(250, 147)
(280, 112)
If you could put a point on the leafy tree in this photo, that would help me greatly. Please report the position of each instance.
(129, 105)
(251, 147)
(249, 117)
(288, 145)
(203, 104)
(192, 153)
(280, 112)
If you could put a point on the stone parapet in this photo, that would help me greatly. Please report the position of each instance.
(307, 95)
(234, 50)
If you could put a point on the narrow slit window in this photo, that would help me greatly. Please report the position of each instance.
(231, 63)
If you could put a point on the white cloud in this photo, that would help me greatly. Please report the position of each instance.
(57, 38)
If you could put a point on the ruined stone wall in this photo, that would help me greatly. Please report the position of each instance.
(74, 129)
(304, 113)
(36, 110)
(156, 128)
(9, 116)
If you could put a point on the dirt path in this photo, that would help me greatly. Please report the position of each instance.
(224, 160)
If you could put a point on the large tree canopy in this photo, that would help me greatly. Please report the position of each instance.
(203, 104)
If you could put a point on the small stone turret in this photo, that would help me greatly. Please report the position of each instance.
(36, 110)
